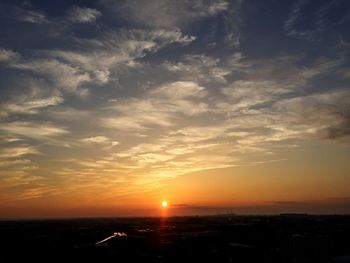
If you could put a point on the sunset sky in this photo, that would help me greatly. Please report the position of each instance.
(107, 108)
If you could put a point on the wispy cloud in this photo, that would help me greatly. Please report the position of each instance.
(159, 107)
(319, 21)
(170, 14)
(65, 76)
(179, 90)
(23, 12)
(35, 130)
(294, 15)
(96, 139)
(199, 67)
(7, 55)
(74, 71)
(325, 115)
(18, 151)
(79, 14)
(103, 140)
(30, 16)
(29, 106)
(7, 163)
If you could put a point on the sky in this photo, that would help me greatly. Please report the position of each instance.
(109, 107)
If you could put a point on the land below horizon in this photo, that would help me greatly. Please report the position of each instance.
(222, 238)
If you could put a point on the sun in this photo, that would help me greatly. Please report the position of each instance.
(164, 203)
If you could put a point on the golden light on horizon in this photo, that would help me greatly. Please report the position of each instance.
(164, 203)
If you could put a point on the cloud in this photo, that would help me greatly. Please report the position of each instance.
(23, 12)
(242, 117)
(340, 130)
(170, 155)
(64, 76)
(78, 14)
(217, 69)
(13, 152)
(198, 208)
(165, 13)
(96, 139)
(117, 47)
(13, 162)
(159, 107)
(325, 17)
(138, 119)
(100, 140)
(198, 67)
(41, 131)
(14, 178)
(76, 71)
(7, 55)
(67, 114)
(294, 14)
(31, 16)
(29, 106)
(34, 192)
(189, 127)
(324, 115)
(245, 94)
(179, 90)
(289, 203)
(196, 133)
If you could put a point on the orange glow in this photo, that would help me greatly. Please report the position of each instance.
(164, 203)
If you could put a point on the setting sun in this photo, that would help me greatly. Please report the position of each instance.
(164, 203)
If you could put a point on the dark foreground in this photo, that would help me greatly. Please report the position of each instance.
(286, 238)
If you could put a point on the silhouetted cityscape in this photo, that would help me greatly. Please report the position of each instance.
(224, 238)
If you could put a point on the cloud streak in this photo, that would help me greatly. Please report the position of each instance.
(167, 13)
(29, 106)
(38, 131)
(83, 14)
